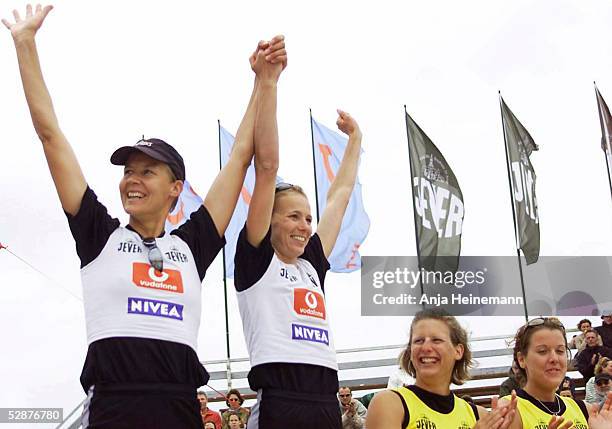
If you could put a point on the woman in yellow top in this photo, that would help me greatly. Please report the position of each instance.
(541, 353)
(437, 354)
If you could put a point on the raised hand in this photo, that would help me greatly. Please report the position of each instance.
(262, 45)
(347, 124)
(558, 422)
(601, 418)
(28, 26)
(275, 52)
(269, 59)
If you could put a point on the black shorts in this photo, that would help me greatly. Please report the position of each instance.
(146, 406)
(277, 409)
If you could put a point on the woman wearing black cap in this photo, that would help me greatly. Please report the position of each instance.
(141, 286)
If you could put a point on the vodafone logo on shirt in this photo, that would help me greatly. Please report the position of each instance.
(308, 303)
(144, 275)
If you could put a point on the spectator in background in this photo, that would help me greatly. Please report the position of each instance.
(588, 358)
(207, 414)
(353, 412)
(603, 384)
(566, 388)
(577, 341)
(513, 382)
(211, 425)
(234, 402)
(234, 420)
(603, 366)
(605, 330)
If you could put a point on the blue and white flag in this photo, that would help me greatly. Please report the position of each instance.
(188, 202)
(329, 149)
(242, 206)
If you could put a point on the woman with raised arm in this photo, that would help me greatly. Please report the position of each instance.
(141, 286)
(542, 354)
(437, 354)
(279, 276)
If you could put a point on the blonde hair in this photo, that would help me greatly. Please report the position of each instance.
(458, 335)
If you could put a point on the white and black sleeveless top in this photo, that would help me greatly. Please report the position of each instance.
(142, 326)
(284, 317)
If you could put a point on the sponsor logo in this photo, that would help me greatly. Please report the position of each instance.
(151, 307)
(309, 333)
(175, 255)
(308, 303)
(144, 275)
(464, 425)
(435, 170)
(143, 143)
(312, 280)
(129, 246)
(439, 208)
(284, 273)
(424, 423)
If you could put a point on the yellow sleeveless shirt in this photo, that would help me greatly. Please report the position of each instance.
(422, 417)
(534, 418)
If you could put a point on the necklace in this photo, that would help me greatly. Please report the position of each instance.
(555, 413)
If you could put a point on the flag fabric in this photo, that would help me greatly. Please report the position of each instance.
(328, 150)
(438, 203)
(188, 202)
(242, 206)
(605, 121)
(520, 144)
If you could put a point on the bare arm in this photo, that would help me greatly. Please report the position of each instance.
(65, 170)
(385, 411)
(340, 190)
(266, 145)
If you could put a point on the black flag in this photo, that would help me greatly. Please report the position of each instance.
(438, 203)
(520, 145)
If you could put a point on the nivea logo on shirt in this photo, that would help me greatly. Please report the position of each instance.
(151, 307)
(309, 333)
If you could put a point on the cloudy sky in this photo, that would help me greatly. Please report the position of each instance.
(118, 70)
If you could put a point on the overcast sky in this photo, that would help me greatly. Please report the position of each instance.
(117, 70)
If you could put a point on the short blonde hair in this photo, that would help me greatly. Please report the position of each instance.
(458, 335)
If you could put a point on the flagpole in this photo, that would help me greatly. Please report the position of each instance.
(516, 234)
(314, 165)
(414, 213)
(604, 134)
(228, 367)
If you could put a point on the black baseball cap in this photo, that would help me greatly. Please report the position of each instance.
(156, 149)
(602, 376)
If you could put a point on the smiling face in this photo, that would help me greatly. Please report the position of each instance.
(148, 187)
(432, 352)
(545, 360)
(291, 225)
